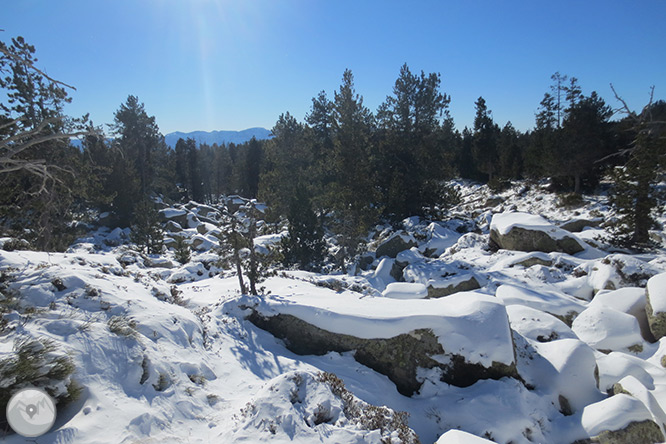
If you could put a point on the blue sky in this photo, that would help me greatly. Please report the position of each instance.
(234, 64)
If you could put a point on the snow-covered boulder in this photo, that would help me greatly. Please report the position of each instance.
(617, 365)
(571, 373)
(460, 437)
(605, 328)
(537, 325)
(405, 290)
(630, 300)
(620, 419)
(633, 387)
(464, 337)
(396, 243)
(174, 214)
(529, 232)
(656, 305)
(560, 305)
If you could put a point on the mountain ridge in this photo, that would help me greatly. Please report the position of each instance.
(218, 136)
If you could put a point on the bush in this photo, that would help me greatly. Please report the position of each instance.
(36, 363)
(368, 416)
(182, 250)
(122, 326)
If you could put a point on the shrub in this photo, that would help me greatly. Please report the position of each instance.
(36, 363)
(368, 416)
(122, 326)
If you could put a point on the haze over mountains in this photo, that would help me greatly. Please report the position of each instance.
(219, 137)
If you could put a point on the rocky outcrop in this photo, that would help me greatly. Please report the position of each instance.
(398, 357)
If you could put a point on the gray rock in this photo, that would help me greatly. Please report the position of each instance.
(577, 225)
(656, 321)
(460, 283)
(395, 244)
(173, 227)
(522, 239)
(398, 358)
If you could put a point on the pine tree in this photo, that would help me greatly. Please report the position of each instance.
(635, 195)
(484, 144)
(412, 160)
(304, 245)
(38, 182)
(147, 232)
(353, 195)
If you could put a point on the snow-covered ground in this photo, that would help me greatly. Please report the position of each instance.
(164, 352)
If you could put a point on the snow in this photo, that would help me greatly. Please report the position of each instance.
(193, 369)
(404, 290)
(605, 328)
(552, 302)
(503, 223)
(656, 288)
(469, 324)
(460, 437)
(613, 413)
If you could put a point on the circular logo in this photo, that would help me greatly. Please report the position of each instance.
(31, 412)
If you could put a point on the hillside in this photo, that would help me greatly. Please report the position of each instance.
(548, 336)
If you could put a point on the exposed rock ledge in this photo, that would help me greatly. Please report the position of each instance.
(398, 357)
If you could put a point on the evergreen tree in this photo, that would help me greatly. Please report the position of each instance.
(253, 162)
(38, 168)
(484, 142)
(353, 195)
(585, 135)
(411, 155)
(138, 138)
(509, 153)
(635, 195)
(147, 232)
(304, 245)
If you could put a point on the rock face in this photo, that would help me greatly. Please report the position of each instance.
(398, 357)
(395, 244)
(656, 305)
(527, 232)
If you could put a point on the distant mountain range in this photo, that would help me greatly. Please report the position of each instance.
(219, 137)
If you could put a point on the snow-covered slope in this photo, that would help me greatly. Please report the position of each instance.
(164, 352)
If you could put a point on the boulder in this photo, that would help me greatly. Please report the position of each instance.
(404, 290)
(528, 232)
(462, 338)
(399, 357)
(620, 419)
(395, 244)
(656, 305)
(604, 328)
(172, 226)
(577, 225)
(446, 287)
(460, 437)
